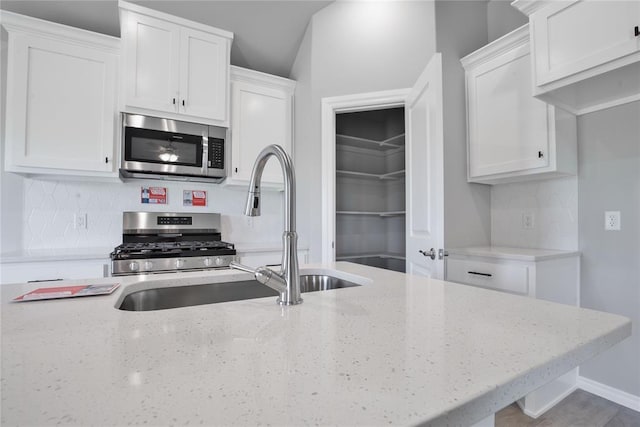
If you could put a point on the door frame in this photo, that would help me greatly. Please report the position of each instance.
(330, 107)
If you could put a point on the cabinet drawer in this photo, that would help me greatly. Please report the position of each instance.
(502, 277)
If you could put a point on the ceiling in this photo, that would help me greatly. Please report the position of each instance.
(267, 33)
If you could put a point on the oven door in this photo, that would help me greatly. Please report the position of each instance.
(156, 151)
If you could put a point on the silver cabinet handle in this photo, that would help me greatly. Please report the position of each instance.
(431, 254)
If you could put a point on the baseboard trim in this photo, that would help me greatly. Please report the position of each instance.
(620, 397)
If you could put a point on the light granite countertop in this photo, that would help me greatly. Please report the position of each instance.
(399, 350)
(510, 253)
(75, 254)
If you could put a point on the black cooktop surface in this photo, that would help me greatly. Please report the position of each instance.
(172, 249)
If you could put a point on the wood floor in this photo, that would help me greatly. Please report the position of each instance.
(579, 409)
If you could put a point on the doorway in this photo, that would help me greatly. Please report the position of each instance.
(370, 188)
(332, 108)
(424, 165)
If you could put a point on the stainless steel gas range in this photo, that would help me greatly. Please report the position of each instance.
(161, 242)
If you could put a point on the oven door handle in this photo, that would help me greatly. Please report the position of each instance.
(170, 234)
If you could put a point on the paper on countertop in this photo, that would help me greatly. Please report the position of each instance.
(68, 292)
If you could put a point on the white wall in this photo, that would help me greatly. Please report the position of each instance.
(503, 18)
(554, 205)
(609, 180)
(461, 28)
(49, 207)
(351, 47)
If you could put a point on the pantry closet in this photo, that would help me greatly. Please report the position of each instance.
(370, 188)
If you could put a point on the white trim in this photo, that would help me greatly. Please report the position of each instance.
(329, 107)
(239, 74)
(505, 44)
(620, 397)
(608, 104)
(529, 7)
(16, 23)
(174, 19)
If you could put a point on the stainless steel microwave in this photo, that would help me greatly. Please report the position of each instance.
(158, 148)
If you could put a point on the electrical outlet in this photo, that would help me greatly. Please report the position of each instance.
(80, 220)
(528, 220)
(612, 220)
(249, 222)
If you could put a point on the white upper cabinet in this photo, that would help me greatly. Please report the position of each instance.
(174, 68)
(61, 115)
(511, 135)
(261, 115)
(586, 53)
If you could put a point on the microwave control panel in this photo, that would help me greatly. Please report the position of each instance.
(216, 153)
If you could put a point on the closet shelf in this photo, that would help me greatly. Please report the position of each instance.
(383, 176)
(396, 141)
(370, 213)
(371, 255)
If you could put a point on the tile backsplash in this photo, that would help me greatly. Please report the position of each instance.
(551, 204)
(49, 208)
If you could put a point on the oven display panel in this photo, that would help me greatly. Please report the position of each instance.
(175, 220)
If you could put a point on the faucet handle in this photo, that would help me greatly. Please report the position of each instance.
(264, 275)
(241, 267)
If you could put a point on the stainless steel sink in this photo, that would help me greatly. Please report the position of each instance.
(185, 296)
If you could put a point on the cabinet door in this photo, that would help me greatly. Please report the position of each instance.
(569, 37)
(62, 106)
(203, 75)
(151, 63)
(508, 127)
(260, 117)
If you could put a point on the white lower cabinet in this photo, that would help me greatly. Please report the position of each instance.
(261, 115)
(513, 136)
(507, 277)
(22, 272)
(61, 115)
(543, 274)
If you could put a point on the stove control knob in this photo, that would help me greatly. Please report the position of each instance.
(208, 262)
(179, 263)
(148, 265)
(133, 266)
(219, 261)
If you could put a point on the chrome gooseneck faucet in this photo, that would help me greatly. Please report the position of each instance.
(287, 281)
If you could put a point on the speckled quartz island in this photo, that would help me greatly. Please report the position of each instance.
(400, 350)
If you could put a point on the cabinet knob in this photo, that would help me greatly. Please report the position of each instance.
(106, 160)
(183, 102)
(540, 154)
(174, 101)
(636, 31)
